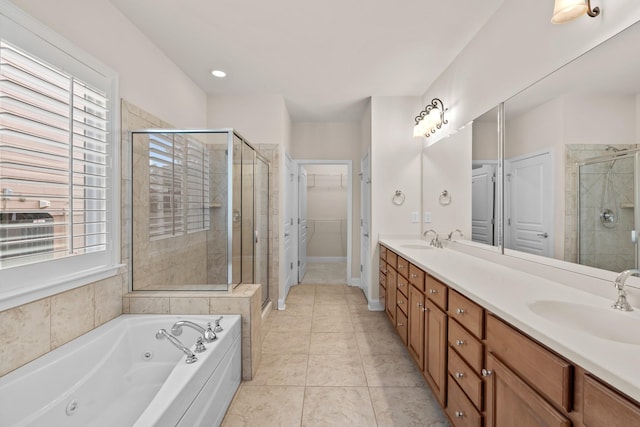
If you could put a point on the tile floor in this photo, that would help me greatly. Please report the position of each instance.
(332, 273)
(328, 361)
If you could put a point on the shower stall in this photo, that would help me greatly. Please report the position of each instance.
(200, 211)
(608, 218)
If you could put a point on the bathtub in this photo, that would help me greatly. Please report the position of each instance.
(119, 374)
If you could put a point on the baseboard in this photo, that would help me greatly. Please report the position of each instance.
(374, 305)
(281, 304)
(354, 281)
(326, 259)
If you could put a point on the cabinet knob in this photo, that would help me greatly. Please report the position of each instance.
(486, 373)
(400, 284)
(459, 374)
(433, 291)
(400, 302)
(425, 309)
(400, 266)
(459, 414)
(400, 324)
(413, 276)
(460, 310)
(459, 343)
(419, 304)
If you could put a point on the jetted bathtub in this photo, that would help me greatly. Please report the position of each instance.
(120, 375)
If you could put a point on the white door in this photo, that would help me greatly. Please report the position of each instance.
(529, 208)
(302, 223)
(289, 230)
(365, 221)
(482, 204)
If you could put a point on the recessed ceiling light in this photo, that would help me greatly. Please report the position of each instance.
(219, 73)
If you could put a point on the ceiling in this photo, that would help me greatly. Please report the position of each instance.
(325, 58)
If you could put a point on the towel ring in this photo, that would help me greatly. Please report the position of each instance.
(398, 198)
(445, 198)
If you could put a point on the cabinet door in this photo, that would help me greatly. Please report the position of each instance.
(606, 407)
(391, 294)
(416, 326)
(435, 353)
(511, 402)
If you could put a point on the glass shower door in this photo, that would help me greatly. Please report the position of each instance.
(261, 219)
(248, 229)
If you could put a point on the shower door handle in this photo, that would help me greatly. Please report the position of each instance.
(255, 235)
(543, 235)
(634, 236)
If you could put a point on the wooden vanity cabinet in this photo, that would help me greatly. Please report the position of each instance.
(603, 406)
(416, 338)
(391, 294)
(435, 350)
(382, 274)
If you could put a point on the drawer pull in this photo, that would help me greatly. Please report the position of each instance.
(401, 266)
(400, 324)
(413, 276)
(433, 291)
(459, 343)
(459, 375)
(425, 309)
(459, 414)
(419, 304)
(400, 302)
(486, 373)
(460, 310)
(400, 284)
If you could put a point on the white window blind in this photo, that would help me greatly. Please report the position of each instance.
(178, 186)
(53, 161)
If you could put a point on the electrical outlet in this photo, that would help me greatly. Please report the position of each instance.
(427, 217)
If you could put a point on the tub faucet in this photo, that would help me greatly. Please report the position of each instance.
(457, 230)
(622, 303)
(207, 334)
(435, 241)
(162, 333)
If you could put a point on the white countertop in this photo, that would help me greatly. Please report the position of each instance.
(508, 293)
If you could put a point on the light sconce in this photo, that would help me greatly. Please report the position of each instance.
(430, 119)
(568, 10)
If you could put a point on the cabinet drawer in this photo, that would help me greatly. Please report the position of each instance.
(467, 313)
(416, 277)
(466, 345)
(401, 326)
(460, 409)
(382, 295)
(383, 279)
(403, 267)
(605, 407)
(401, 300)
(542, 369)
(383, 252)
(403, 285)
(392, 258)
(467, 379)
(436, 291)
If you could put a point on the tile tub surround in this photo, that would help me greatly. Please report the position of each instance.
(314, 373)
(507, 292)
(34, 329)
(243, 300)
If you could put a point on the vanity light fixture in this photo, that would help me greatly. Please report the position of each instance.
(568, 10)
(430, 119)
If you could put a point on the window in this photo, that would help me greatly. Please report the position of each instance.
(57, 148)
(178, 185)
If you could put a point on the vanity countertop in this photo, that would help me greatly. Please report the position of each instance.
(578, 325)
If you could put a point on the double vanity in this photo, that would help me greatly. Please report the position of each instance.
(502, 347)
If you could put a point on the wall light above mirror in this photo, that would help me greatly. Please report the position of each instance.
(430, 119)
(568, 10)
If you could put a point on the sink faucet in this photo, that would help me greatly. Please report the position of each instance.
(207, 334)
(435, 241)
(622, 303)
(457, 230)
(162, 333)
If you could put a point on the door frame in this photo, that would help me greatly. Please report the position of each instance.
(349, 164)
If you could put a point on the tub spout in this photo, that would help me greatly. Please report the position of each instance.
(207, 334)
(162, 333)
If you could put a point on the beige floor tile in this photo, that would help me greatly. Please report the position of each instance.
(291, 323)
(407, 407)
(329, 298)
(379, 342)
(286, 342)
(326, 272)
(371, 321)
(333, 343)
(324, 289)
(335, 370)
(330, 309)
(281, 369)
(302, 290)
(297, 310)
(332, 323)
(265, 406)
(300, 299)
(337, 407)
(391, 370)
(356, 299)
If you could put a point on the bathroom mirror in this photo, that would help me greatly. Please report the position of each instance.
(571, 160)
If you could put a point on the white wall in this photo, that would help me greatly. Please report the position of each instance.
(516, 47)
(148, 79)
(395, 165)
(334, 141)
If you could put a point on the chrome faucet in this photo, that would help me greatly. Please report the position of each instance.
(622, 303)
(435, 242)
(457, 230)
(162, 333)
(207, 334)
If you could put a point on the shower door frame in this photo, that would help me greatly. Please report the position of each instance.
(631, 153)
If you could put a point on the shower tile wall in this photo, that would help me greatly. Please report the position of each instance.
(601, 246)
(217, 234)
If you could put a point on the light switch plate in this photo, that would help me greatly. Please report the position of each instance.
(427, 217)
(415, 216)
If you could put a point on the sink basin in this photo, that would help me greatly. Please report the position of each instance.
(416, 246)
(603, 322)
